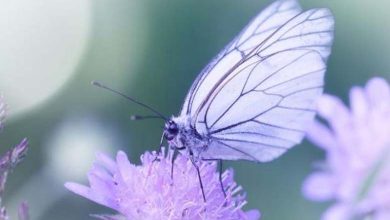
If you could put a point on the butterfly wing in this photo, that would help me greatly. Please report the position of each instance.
(267, 22)
(255, 99)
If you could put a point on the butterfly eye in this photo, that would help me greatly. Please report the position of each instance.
(172, 129)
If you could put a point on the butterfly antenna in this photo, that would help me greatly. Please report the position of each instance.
(158, 114)
(142, 117)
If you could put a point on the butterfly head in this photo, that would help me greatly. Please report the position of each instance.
(170, 130)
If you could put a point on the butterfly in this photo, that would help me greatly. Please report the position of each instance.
(254, 100)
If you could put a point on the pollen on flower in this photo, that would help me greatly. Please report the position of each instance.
(147, 191)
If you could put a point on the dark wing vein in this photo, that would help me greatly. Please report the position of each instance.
(218, 84)
(261, 49)
(226, 51)
(278, 70)
(249, 91)
(238, 150)
(292, 93)
(296, 108)
(294, 78)
(239, 96)
(304, 35)
(278, 126)
(260, 134)
(247, 141)
(269, 109)
(255, 33)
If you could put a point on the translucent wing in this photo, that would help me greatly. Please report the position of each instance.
(254, 101)
(261, 27)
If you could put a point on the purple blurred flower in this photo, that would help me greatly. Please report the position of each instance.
(23, 211)
(7, 163)
(147, 191)
(356, 173)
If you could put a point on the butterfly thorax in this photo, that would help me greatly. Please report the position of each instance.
(182, 136)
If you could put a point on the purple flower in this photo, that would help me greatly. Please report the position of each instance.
(8, 162)
(356, 172)
(147, 191)
(23, 211)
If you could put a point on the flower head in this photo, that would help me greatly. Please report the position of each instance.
(356, 173)
(148, 191)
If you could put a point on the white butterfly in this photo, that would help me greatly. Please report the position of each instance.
(253, 101)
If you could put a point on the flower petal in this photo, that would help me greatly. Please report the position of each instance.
(86, 192)
(335, 112)
(321, 135)
(124, 165)
(378, 91)
(23, 211)
(319, 187)
(106, 162)
(253, 214)
(337, 212)
(382, 215)
(359, 102)
(329, 106)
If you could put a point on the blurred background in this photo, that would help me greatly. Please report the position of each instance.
(152, 50)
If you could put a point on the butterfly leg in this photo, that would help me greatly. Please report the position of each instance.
(220, 177)
(174, 156)
(159, 147)
(220, 168)
(199, 177)
(161, 142)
